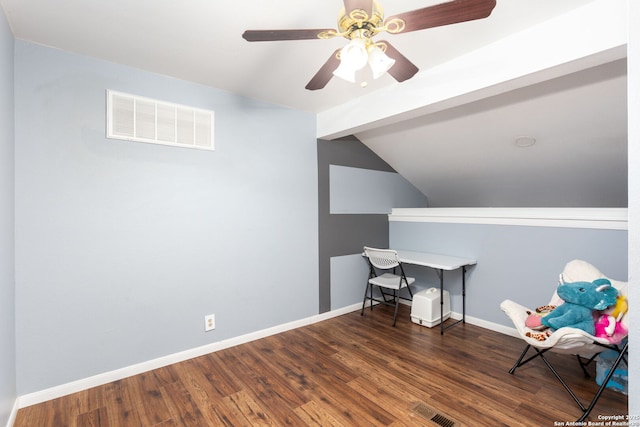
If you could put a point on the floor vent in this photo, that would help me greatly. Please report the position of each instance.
(134, 118)
(432, 415)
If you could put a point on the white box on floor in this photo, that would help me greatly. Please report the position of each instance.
(425, 308)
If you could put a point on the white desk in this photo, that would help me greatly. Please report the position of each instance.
(439, 263)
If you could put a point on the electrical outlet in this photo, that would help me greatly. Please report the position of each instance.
(209, 322)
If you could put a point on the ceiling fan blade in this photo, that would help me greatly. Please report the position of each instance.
(325, 73)
(276, 35)
(442, 14)
(403, 69)
(366, 5)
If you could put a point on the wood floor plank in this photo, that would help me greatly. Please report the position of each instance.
(260, 358)
(121, 409)
(392, 399)
(166, 423)
(41, 414)
(222, 412)
(243, 403)
(181, 405)
(354, 405)
(272, 390)
(314, 414)
(145, 388)
(98, 417)
(328, 401)
(217, 375)
(351, 370)
(166, 375)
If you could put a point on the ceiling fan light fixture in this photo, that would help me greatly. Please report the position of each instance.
(345, 72)
(379, 62)
(353, 57)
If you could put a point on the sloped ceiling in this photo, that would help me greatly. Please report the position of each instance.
(469, 155)
(453, 139)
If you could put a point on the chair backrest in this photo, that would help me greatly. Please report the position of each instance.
(382, 258)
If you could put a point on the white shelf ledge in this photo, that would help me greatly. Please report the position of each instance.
(599, 218)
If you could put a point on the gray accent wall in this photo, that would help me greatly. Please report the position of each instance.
(521, 263)
(362, 220)
(123, 247)
(7, 236)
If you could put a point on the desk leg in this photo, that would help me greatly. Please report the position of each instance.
(464, 299)
(441, 276)
(464, 294)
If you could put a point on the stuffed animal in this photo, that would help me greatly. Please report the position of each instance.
(605, 326)
(608, 324)
(534, 320)
(620, 308)
(580, 299)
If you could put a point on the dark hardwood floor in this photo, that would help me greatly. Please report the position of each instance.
(346, 371)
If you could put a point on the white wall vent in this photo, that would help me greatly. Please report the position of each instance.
(134, 118)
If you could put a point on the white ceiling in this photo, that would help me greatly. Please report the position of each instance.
(460, 156)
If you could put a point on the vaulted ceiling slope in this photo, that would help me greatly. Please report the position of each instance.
(552, 70)
(479, 154)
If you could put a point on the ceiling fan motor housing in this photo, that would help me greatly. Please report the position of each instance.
(358, 23)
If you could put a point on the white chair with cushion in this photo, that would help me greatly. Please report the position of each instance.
(386, 274)
(570, 340)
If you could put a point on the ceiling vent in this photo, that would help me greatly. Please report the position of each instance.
(134, 118)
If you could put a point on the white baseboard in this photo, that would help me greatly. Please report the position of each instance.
(107, 377)
(496, 327)
(13, 414)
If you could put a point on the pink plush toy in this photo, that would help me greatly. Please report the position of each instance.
(605, 326)
(534, 320)
(608, 325)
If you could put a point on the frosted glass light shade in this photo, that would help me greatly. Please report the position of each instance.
(355, 54)
(353, 57)
(379, 62)
(345, 72)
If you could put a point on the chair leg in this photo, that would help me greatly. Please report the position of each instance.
(410, 293)
(584, 365)
(621, 357)
(371, 297)
(518, 364)
(540, 354)
(564, 384)
(395, 312)
(364, 301)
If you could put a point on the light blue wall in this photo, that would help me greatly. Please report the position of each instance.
(122, 248)
(7, 272)
(349, 274)
(520, 263)
(364, 191)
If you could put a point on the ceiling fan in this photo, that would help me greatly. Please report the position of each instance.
(360, 21)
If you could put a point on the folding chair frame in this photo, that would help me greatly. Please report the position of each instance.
(396, 297)
(622, 353)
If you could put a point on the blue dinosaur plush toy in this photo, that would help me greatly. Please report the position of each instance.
(580, 299)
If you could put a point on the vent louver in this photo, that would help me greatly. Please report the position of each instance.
(134, 118)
